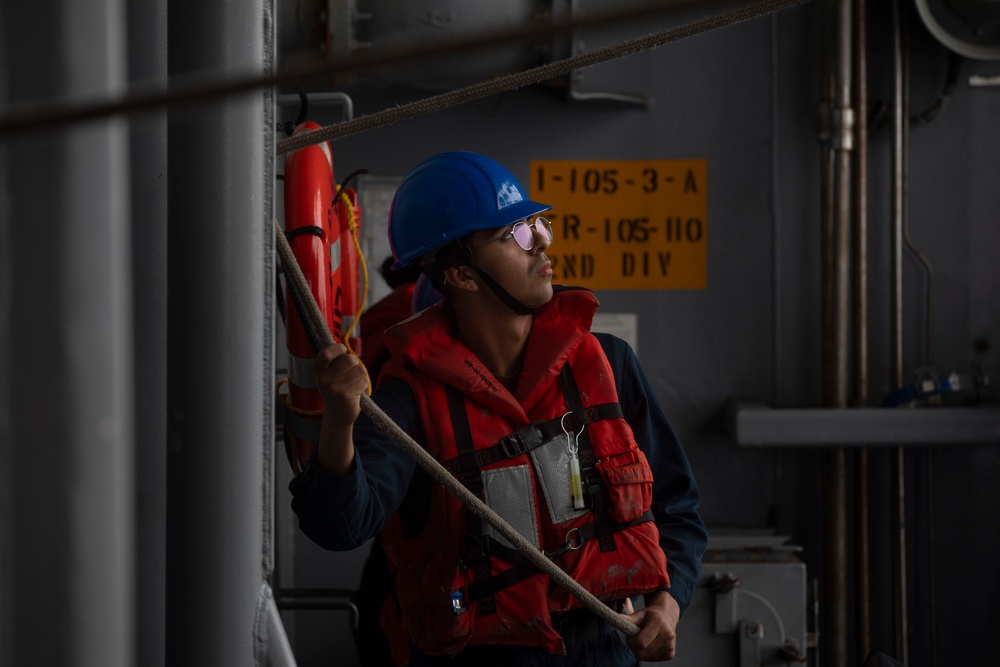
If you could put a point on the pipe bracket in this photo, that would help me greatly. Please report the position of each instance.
(843, 128)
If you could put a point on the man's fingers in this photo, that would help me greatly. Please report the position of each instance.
(334, 361)
(358, 377)
(341, 379)
(656, 640)
(329, 353)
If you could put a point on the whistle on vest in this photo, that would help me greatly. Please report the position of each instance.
(458, 603)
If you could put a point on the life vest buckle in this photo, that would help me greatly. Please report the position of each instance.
(523, 440)
(458, 603)
(476, 551)
(512, 445)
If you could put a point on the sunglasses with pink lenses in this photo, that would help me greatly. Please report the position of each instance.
(524, 232)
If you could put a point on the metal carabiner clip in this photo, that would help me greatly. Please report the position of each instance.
(567, 545)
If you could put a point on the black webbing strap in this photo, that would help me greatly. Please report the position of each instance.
(476, 555)
(534, 436)
(592, 530)
(523, 568)
(300, 231)
(593, 485)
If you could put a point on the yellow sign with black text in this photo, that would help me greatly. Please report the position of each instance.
(626, 224)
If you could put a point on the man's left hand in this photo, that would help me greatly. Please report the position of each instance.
(657, 638)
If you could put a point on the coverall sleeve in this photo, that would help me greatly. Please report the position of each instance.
(343, 512)
(683, 535)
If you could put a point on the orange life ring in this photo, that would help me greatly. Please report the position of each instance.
(310, 229)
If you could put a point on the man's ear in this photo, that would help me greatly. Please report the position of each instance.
(461, 277)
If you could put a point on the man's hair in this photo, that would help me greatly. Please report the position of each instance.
(397, 277)
(445, 257)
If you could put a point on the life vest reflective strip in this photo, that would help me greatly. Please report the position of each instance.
(300, 372)
(428, 559)
(308, 193)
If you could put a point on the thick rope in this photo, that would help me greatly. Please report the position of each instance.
(191, 88)
(516, 80)
(297, 282)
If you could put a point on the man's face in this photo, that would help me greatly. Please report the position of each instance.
(525, 273)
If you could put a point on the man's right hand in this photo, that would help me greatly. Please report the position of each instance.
(340, 379)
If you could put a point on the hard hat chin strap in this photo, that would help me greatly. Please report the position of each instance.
(506, 297)
(502, 294)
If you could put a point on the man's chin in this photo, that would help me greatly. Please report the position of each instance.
(545, 298)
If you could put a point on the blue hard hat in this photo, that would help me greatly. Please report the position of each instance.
(450, 195)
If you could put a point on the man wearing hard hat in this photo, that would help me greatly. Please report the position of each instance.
(555, 428)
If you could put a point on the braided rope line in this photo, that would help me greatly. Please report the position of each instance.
(36, 115)
(297, 281)
(516, 80)
(460, 96)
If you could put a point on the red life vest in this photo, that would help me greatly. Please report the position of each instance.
(458, 582)
(390, 310)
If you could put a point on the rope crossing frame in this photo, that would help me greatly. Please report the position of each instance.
(187, 89)
(517, 80)
(316, 324)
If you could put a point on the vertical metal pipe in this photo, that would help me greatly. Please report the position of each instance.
(66, 418)
(826, 285)
(860, 329)
(7, 532)
(147, 42)
(898, 201)
(843, 144)
(219, 389)
(931, 558)
(860, 206)
(827, 196)
(900, 129)
(836, 381)
(899, 553)
(863, 559)
(832, 207)
(835, 569)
